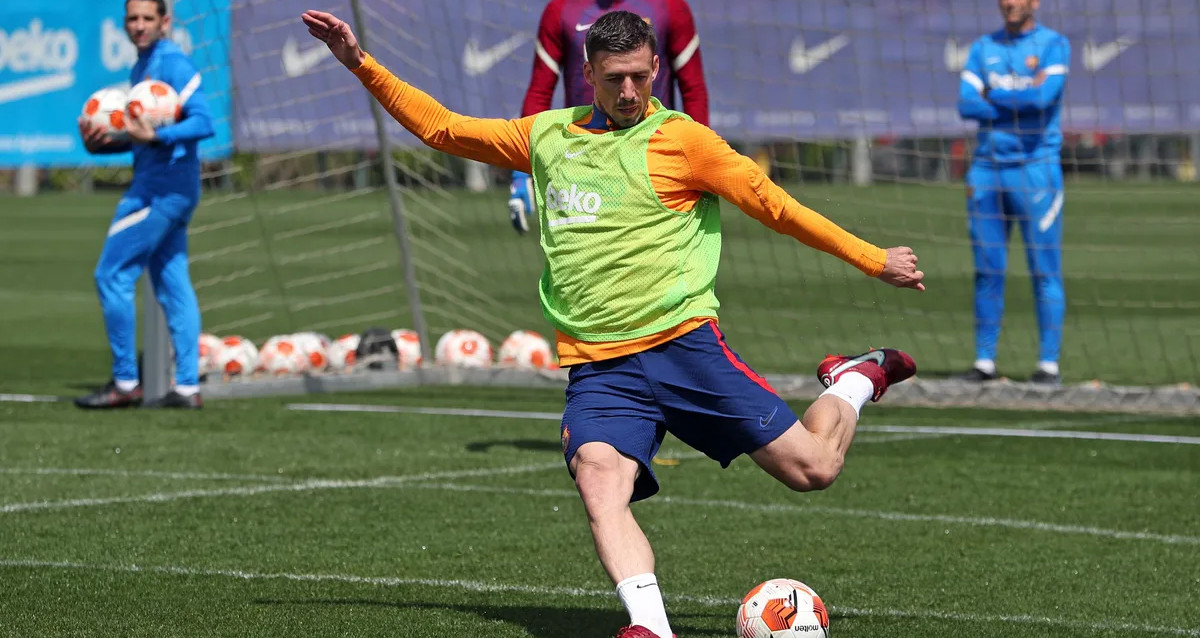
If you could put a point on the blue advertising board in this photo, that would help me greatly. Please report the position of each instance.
(791, 69)
(54, 54)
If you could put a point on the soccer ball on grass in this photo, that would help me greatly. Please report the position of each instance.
(465, 349)
(237, 356)
(782, 608)
(282, 355)
(408, 348)
(342, 352)
(526, 349)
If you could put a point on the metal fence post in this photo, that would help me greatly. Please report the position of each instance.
(399, 222)
(156, 346)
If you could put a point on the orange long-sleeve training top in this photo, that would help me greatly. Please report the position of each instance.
(685, 159)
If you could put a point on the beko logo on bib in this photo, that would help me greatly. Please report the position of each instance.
(572, 199)
(36, 49)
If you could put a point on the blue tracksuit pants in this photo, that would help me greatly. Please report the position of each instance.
(1032, 196)
(149, 232)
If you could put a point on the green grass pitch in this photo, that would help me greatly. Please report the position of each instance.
(332, 264)
(252, 520)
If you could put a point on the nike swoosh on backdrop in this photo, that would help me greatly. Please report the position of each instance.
(583, 27)
(804, 59)
(22, 89)
(1097, 56)
(477, 61)
(297, 62)
(955, 55)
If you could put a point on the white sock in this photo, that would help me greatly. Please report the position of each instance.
(986, 365)
(853, 388)
(1049, 367)
(643, 601)
(187, 390)
(126, 386)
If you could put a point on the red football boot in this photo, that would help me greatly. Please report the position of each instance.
(637, 631)
(884, 367)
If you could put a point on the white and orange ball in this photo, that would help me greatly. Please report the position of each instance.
(155, 101)
(465, 349)
(281, 355)
(209, 349)
(105, 110)
(343, 351)
(315, 347)
(237, 357)
(408, 348)
(526, 349)
(782, 608)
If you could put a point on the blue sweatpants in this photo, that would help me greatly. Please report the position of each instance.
(149, 231)
(1032, 196)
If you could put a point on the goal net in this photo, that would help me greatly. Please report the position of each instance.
(850, 106)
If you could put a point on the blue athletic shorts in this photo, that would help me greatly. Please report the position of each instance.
(693, 386)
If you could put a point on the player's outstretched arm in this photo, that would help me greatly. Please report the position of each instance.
(713, 167)
(336, 35)
(900, 269)
(503, 143)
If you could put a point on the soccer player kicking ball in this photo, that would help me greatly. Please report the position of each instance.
(626, 192)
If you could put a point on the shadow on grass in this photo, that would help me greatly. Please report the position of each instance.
(541, 622)
(535, 445)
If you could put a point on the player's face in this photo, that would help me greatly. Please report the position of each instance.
(622, 83)
(143, 25)
(1018, 14)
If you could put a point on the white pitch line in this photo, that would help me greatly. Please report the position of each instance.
(479, 586)
(303, 486)
(1034, 434)
(903, 429)
(29, 398)
(974, 521)
(400, 409)
(146, 473)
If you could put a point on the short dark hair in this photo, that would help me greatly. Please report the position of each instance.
(619, 32)
(161, 5)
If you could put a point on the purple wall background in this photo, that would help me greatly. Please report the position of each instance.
(892, 66)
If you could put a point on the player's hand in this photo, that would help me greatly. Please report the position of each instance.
(901, 269)
(94, 137)
(520, 202)
(336, 35)
(140, 131)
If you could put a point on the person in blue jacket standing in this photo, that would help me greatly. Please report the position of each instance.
(1012, 85)
(149, 229)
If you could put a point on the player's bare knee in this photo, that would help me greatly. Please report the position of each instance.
(601, 477)
(811, 477)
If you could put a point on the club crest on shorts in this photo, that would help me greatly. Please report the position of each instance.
(566, 437)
